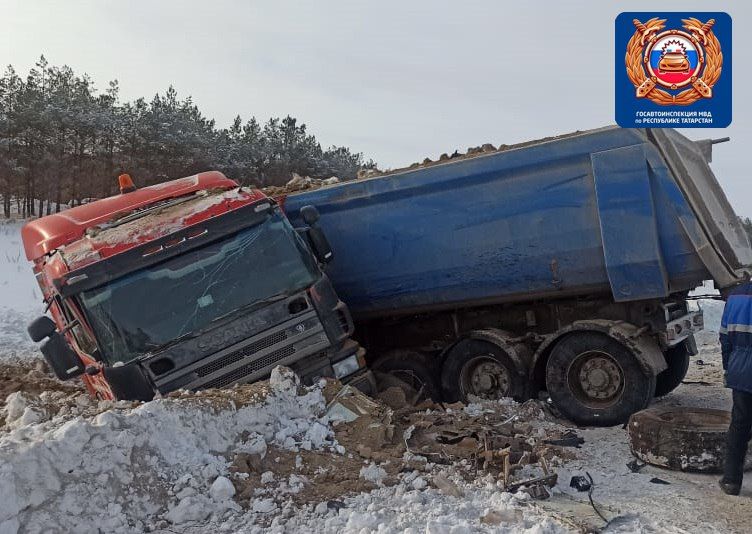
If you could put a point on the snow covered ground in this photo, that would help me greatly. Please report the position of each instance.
(20, 296)
(70, 464)
(68, 459)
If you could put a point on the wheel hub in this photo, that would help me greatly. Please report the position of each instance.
(599, 376)
(487, 378)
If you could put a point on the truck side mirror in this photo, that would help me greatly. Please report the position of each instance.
(310, 215)
(40, 328)
(320, 244)
(61, 358)
(316, 237)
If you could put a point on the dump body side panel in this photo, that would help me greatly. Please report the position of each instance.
(462, 235)
(587, 214)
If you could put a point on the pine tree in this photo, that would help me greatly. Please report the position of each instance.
(62, 142)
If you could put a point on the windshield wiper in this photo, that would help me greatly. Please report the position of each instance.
(249, 307)
(171, 343)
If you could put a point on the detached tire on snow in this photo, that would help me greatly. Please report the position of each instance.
(680, 438)
(595, 380)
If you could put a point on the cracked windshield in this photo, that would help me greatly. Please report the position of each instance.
(144, 310)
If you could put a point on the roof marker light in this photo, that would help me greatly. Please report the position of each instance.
(126, 184)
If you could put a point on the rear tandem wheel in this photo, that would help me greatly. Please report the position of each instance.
(595, 380)
(480, 368)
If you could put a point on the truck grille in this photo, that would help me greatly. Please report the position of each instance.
(238, 355)
(248, 369)
(287, 343)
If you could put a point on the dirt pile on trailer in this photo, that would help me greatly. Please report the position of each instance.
(299, 183)
(471, 152)
(304, 183)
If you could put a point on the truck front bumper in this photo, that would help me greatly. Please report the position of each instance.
(362, 380)
(313, 369)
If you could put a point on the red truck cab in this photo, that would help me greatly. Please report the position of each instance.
(192, 283)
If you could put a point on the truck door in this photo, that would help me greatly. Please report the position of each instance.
(83, 343)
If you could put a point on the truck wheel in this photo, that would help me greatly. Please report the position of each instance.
(681, 438)
(480, 368)
(678, 364)
(412, 368)
(595, 380)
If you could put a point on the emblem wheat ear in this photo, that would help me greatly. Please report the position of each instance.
(701, 87)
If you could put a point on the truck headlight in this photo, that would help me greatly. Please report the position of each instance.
(346, 367)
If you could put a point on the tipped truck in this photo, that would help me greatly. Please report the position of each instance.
(561, 266)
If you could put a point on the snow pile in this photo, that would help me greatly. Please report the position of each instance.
(712, 309)
(15, 340)
(20, 296)
(373, 473)
(125, 469)
(411, 507)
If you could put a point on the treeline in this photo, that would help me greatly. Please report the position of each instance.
(62, 141)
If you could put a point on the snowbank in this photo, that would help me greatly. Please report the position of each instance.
(76, 465)
(712, 308)
(403, 508)
(123, 468)
(20, 296)
(712, 311)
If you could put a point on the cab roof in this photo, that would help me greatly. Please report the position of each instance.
(49, 233)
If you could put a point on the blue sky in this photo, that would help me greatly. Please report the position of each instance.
(399, 81)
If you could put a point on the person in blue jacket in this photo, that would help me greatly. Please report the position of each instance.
(736, 351)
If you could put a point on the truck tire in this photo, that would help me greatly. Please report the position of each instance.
(677, 359)
(595, 380)
(412, 368)
(480, 368)
(681, 438)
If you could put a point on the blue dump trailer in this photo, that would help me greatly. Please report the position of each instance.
(561, 265)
